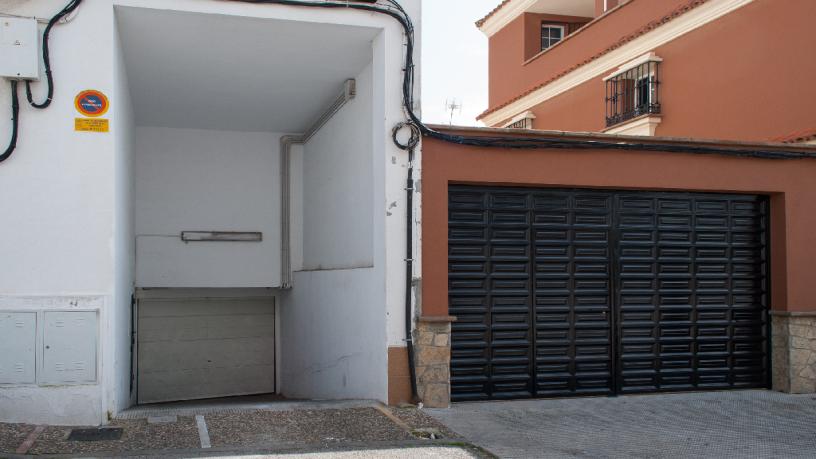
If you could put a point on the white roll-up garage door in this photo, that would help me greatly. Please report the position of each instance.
(196, 348)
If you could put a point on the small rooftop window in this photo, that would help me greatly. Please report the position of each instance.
(551, 34)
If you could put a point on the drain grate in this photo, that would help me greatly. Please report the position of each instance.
(99, 434)
(428, 433)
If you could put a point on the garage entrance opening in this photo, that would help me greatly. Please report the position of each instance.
(249, 138)
(589, 292)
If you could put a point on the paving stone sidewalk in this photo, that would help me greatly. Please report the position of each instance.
(311, 433)
(733, 424)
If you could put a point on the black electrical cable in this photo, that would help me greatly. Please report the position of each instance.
(15, 99)
(409, 146)
(15, 122)
(396, 11)
(69, 8)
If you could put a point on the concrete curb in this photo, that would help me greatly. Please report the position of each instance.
(281, 449)
(227, 408)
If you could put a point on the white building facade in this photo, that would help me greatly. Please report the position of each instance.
(238, 229)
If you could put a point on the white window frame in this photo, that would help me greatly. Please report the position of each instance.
(545, 25)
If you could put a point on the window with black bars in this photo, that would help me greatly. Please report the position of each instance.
(633, 93)
(524, 123)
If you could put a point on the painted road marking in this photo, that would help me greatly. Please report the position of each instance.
(203, 434)
(162, 419)
(30, 439)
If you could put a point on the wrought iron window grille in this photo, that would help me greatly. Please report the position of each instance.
(633, 93)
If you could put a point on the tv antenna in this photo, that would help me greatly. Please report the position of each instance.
(453, 106)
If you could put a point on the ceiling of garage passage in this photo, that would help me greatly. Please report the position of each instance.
(208, 71)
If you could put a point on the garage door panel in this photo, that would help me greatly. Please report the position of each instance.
(185, 355)
(583, 268)
(191, 348)
(709, 328)
(551, 219)
(206, 353)
(210, 307)
(469, 216)
(627, 291)
(194, 328)
(193, 384)
(157, 329)
(502, 201)
(469, 235)
(546, 201)
(511, 219)
(509, 252)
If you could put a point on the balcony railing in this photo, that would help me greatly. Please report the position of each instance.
(633, 93)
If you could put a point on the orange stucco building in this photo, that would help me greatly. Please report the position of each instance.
(734, 69)
(594, 240)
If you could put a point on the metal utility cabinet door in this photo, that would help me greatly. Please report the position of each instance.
(194, 348)
(69, 347)
(585, 292)
(18, 331)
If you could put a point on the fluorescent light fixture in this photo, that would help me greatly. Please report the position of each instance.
(221, 236)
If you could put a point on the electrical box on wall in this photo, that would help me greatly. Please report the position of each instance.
(19, 51)
(69, 347)
(17, 343)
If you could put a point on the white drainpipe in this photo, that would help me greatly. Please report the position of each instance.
(286, 143)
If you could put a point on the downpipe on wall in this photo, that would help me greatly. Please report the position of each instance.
(286, 144)
(409, 146)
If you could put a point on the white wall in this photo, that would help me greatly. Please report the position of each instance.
(118, 330)
(64, 240)
(202, 180)
(391, 165)
(338, 190)
(333, 339)
(57, 237)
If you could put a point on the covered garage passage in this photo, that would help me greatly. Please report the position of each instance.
(585, 292)
(252, 274)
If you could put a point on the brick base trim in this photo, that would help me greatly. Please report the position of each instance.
(432, 358)
(793, 353)
(399, 379)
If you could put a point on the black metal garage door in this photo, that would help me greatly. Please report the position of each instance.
(584, 292)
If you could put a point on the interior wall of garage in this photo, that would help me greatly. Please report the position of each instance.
(337, 187)
(206, 180)
(332, 332)
(788, 182)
